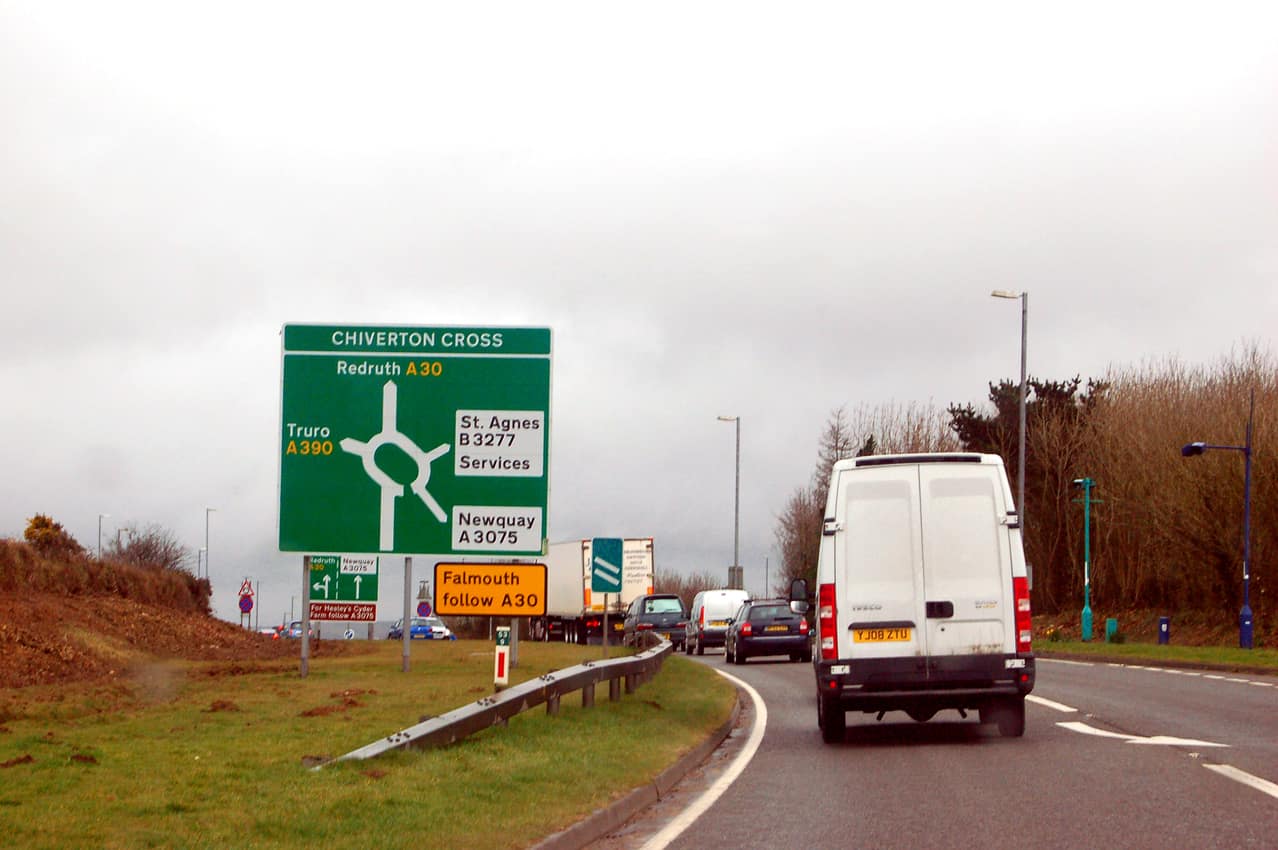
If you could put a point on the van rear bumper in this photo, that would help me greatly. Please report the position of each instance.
(955, 681)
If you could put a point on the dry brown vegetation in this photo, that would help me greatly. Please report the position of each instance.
(69, 617)
(1167, 531)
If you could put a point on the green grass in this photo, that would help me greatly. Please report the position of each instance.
(1153, 653)
(202, 760)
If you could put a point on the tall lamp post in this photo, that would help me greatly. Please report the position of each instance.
(207, 511)
(100, 518)
(1020, 451)
(734, 575)
(1087, 484)
(1192, 449)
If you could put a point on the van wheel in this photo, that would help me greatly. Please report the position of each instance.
(1009, 714)
(727, 654)
(701, 650)
(832, 719)
(921, 715)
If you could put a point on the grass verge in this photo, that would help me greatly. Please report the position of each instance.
(1216, 657)
(213, 755)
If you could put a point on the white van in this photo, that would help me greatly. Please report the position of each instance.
(922, 593)
(708, 618)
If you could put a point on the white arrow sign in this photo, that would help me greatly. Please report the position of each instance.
(316, 585)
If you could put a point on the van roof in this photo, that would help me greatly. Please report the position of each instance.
(919, 457)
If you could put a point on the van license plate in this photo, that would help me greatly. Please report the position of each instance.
(718, 624)
(880, 635)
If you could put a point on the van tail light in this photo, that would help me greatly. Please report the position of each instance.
(827, 618)
(701, 617)
(746, 630)
(803, 625)
(1024, 624)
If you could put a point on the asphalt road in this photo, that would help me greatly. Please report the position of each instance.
(1117, 756)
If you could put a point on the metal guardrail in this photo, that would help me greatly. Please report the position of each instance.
(628, 673)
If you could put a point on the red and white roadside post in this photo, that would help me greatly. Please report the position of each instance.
(501, 662)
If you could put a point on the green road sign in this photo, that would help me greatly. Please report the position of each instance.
(408, 440)
(605, 565)
(343, 578)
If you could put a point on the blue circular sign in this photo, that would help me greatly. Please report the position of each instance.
(246, 604)
(423, 608)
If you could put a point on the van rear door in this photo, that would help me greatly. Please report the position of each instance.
(967, 560)
(878, 562)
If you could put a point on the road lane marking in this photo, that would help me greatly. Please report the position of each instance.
(1213, 676)
(1262, 684)
(1047, 702)
(1262, 785)
(1063, 661)
(708, 798)
(1163, 740)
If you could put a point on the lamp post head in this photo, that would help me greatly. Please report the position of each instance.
(1082, 482)
(1005, 293)
(728, 418)
(1191, 449)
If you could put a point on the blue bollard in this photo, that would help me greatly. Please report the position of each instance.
(1164, 629)
(1111, 629)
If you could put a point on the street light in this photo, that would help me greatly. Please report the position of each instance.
(100, 518)
(1192, 449)
(199, 559)
(735, 572)
(1020, 452)
(207, 511)
(1087, 484)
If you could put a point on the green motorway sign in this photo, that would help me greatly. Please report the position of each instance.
(414, 440)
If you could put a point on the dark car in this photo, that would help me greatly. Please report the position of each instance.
(660, 613)
(766, 627)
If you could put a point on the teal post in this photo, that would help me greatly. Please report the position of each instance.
(1087, 484)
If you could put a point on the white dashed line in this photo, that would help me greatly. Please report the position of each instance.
(1262, 785)
(1049, 704)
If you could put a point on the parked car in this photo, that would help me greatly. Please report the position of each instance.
(766, 627)
(708, 618)
(421, 628)
(660, 613)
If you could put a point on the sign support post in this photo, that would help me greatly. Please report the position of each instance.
(407, 637)
(306, 605)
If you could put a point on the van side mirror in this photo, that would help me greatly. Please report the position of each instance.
(799, 596)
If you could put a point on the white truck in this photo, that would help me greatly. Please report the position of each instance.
(573, 613)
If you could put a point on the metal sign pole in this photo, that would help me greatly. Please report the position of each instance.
(306, 604)
(407, 622)
(603, 638)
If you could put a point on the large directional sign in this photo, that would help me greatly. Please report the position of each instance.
(490, 590)
(605, 565)
(414, 440)
(343, 587)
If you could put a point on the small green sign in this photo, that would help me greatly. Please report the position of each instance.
(503, 635)
(605, 565)
(343, 578)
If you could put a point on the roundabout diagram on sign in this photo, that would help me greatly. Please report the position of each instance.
(392, 489)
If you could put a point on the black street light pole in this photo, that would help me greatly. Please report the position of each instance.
(1192, 449)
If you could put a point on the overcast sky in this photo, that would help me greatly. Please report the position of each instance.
(769, 211)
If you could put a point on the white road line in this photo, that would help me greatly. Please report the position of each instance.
(715, 791)
(1213, 676)
(1232, 679)
(1063, 661)
(1164, 740)
(1262, 684)
(1048, 703)
(1264, 786)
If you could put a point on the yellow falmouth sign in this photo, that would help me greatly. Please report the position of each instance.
(490, 590)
